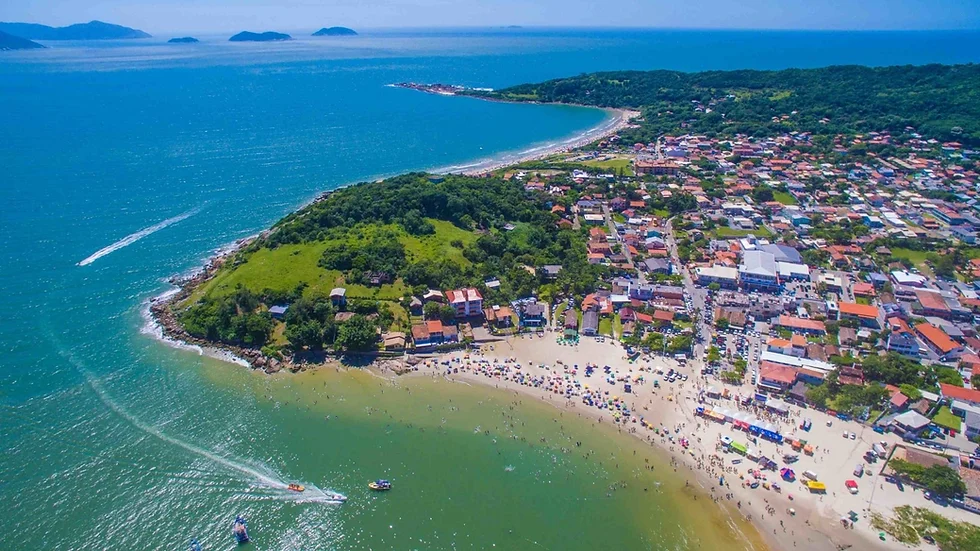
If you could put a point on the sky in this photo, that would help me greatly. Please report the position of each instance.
(160, 16)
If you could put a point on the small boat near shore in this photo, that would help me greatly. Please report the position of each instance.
(296, 487)
(380, 485)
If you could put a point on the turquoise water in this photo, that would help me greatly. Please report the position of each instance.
(157, 155)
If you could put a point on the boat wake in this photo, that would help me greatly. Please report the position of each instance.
(134, 237)
(267, 479)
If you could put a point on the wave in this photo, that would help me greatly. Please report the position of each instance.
(265, 479)
(134, 237)
(152, 328)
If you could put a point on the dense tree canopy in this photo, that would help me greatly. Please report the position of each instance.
(939, 479)
(232, 319)
(407, 200)
(937, 100)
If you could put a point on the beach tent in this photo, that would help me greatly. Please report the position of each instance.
(778, 406)
(742, 420)
(767, 430)
(718, 416)
(808, 449)
(816, 487)
(752, 454)
(787, 474)
(740, 448)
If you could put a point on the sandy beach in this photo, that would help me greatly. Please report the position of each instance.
(618, 119)
(665, 417)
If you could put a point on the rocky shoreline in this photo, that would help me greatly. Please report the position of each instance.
(163, 316)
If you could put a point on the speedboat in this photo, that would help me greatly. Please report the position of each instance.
(296, 487)
(380, 485)
(240, 530)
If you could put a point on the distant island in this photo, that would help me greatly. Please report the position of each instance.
(11, 42)
(183, 40)
(93, 30)
(335, 31)
(246, 36)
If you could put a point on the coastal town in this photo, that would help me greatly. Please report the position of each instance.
(792, 317)
(755, 316)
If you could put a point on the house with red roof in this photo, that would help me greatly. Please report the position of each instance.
(776, 376)
(467, 302)
(901, 339)
(645, 319)
(939, 342)
(865, 314)
(433, 333)
(970, 396)
(800, 325)
(930, 303)
(863, 289)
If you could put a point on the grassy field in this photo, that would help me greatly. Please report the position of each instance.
(614, 165)
(917, 258)
(945, 418)
(761, 231)
(285, 267)
(437, 245)
(784, 198)
(559, 313)
(605, 327)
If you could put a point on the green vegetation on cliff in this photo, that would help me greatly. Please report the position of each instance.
(939, 101)
(385, 242)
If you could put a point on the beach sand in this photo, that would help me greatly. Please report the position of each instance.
(618, 120)
(547, 369)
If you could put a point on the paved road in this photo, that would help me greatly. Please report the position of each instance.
(698, 295)
(611, 224)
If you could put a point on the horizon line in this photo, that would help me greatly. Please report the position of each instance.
(519, 26)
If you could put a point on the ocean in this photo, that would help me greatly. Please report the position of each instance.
(124, 163)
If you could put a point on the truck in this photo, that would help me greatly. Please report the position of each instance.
(879, 450)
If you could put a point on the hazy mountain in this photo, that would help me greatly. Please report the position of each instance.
(93, 30)
(11, 42)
